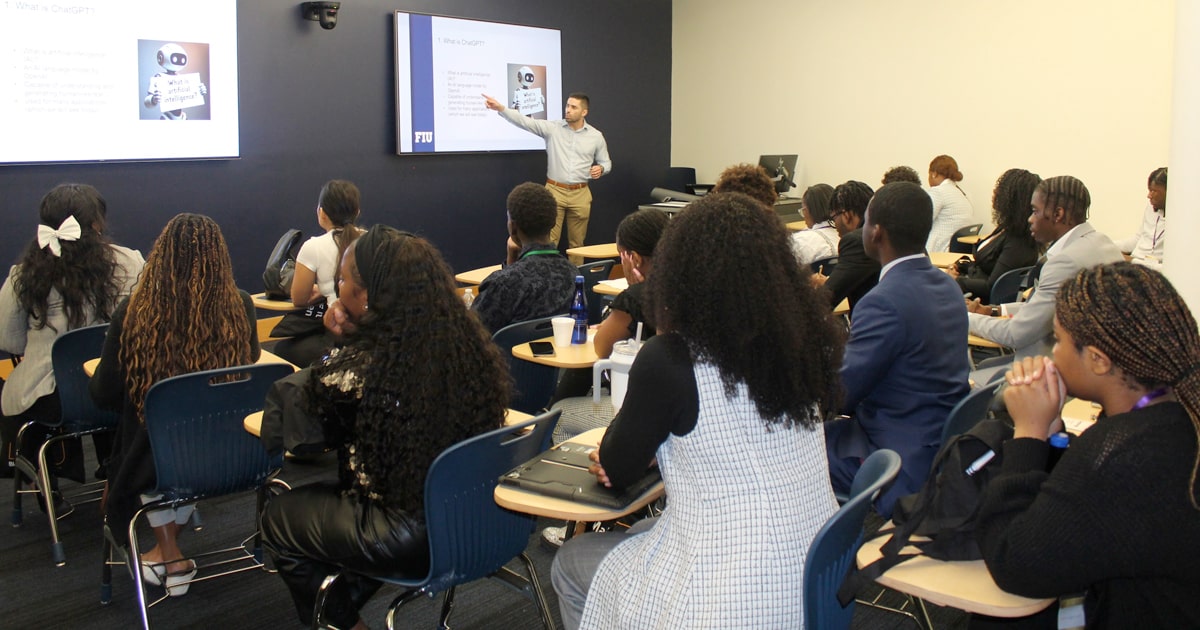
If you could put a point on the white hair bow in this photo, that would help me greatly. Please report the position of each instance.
(68, 231)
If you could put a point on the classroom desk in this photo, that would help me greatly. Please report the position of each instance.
(842, 308)
(611, 287)
(945, 259)
(261, 301)
(796, 226)
(526, 502)
(969, 239)
(1079, 415)
(581, 355)
(965, 585)
(476, 276)
(89, 366)
(606, 250)
(980, 342)
(253, 422)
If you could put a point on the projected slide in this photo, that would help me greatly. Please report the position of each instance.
(97, 80)
(444, 64)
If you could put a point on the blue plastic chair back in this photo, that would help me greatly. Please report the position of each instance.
(471, 537)
(67, 356)
(593, 273)
(1008, 285)
(534, 383)
(969, 411)
(833, 548)
(195, 424)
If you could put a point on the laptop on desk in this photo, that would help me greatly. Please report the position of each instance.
(562, 473)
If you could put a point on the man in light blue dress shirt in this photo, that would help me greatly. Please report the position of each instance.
(576, 152)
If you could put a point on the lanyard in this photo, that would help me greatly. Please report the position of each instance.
(1145, 400)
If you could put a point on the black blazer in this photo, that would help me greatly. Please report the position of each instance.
(999, 255)
(855, 273)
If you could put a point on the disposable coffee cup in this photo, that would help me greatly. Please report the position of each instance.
(563, 327)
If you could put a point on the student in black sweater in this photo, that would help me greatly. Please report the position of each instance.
(1119, 516)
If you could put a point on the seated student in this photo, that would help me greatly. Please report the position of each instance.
(748, 179)
(316, 266)
(185, 315)
(1009, 246)
(1059, 223)
(951, 208)
(856, 273)
(417, 375)
(906, 361)
(820, 240)
(537, 281)
(1119, 515)
(1146, 246)
(729, 400)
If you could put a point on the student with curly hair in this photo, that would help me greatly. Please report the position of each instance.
(748, 179)
(901, 174)
(186, 315)
(70, 276)
(951, 208)
(1119, 515)
(1009, 246)
(723, 398)
(418, 374)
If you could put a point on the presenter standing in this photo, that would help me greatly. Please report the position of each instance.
(576, 152)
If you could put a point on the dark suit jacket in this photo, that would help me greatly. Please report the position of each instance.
(855, 273)
(905, 368)
(998, 255)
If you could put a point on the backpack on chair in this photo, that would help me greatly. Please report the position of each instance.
(277, 277)
(945, 509)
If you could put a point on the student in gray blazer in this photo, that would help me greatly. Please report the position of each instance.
(1059, 221)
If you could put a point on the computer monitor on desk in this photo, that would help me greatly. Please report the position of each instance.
(781, 169)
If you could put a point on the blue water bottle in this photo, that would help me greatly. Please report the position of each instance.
(1059, 443)
(579, 312)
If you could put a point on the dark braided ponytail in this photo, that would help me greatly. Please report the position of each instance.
(1134, 315)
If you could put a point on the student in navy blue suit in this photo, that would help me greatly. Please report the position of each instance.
(906, 361)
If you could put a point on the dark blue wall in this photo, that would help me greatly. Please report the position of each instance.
(319, 104)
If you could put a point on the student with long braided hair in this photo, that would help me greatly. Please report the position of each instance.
(1119, 516)
(418, 374)
(186, 315)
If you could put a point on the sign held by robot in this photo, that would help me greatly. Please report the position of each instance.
(177, 91)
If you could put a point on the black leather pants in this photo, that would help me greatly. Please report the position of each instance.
(313, 531)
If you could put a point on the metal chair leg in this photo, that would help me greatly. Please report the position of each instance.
(447, 608)
(402, 599)
(318, 622)
(135, 564)
(538, 595)
(56, 547)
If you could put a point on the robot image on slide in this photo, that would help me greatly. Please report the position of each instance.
(172, 89)
(528, 99)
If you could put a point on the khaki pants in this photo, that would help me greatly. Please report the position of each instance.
(575, 207)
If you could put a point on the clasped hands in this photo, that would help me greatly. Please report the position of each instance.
(1034, 397)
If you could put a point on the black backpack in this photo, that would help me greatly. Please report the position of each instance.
(945, 509)
(277, 277)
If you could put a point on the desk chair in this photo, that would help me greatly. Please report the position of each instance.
(593, 273)
(1008, 285)
(471, 537)
(80, 417)
(969, 411)
(201, 450)
(534, 383)
(833, 548)
(963, 248)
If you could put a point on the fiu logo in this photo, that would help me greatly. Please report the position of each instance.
(422, 137)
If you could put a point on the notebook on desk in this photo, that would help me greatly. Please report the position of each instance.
(562, 473)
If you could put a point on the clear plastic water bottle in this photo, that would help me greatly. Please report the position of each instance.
(579, 312)
(468, 297)
(1058, 445)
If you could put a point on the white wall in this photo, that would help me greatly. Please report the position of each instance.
(1060, 87)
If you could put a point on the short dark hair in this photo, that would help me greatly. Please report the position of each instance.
(853, 196)
(1158, 177)
(905, 211)
(532, 209)
(582, 97)
(1068, 193)
(639, 232)
(901, 174)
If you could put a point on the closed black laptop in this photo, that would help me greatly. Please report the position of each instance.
(561, 472)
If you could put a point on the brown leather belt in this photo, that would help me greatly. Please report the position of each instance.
(566, 186)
